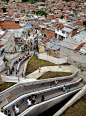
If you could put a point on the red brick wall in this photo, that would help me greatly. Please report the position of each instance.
(79, 23)
(9, 25)
(11, 13)
(84, 9)
(42, 19)
(52, 53)
(55, 16)
(49, 33)
(50, 16)
(1, 11)
(31, 20)
(74, 32)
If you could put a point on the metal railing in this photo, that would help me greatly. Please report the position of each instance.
(41, 91)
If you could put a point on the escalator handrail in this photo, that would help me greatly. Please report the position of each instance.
(40, 91)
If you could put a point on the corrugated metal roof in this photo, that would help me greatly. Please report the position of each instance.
(54, 45)
(83, 49)
(67, 30)
(17, 34)
(80, 37)
(69, 43)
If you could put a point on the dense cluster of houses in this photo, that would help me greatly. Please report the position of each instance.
(60, 34)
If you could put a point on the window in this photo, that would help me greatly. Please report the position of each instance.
(55, 35)
(44, 35)
(16, 21)
(63, 32)
(57, 29)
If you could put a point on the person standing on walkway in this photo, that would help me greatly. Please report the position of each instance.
(50, 85)
(33, 99)
(22, 74)
(56, 82)
(39, 69)
(12, 68)
(8, 113)
(64, 88)
(69, 89)
(29, 102)
(9, 70)
(1, 110)
(42, 98)
(16, 73)
(16, 110)
(79, 65)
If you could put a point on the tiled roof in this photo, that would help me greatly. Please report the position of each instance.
(1, 46)
(60, 26)
(44, 41)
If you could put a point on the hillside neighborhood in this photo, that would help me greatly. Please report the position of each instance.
(60, 31)
(54, 30)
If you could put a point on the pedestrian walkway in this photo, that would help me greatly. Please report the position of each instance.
(36, 73)
(15, 66)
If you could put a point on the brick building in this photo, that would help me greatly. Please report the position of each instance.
(16, 0)
(50, 16)
(74, 30)
(9, 24)
(79, 23)
(1, 11)
(7, 41)
(50, 32)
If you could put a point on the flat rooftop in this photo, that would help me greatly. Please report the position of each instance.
(80, 37)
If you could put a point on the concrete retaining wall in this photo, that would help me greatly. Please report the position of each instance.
(81, 93)
(25, 66)
(52, 59)
(74, 57)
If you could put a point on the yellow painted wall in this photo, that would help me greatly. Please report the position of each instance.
(41, 48)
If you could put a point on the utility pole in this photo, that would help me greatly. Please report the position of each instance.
(37, 42)
(18, 79)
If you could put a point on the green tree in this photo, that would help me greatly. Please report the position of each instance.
(61, 10)
(33, 11)
(32, 1)
(43, 0)
(5, 0)
(24, 0)
(4, 9)
(52, 12)
(67, 0)
(24, 11)
(76, 6)
(40, 12)
(62, 17)
(42, 4)
(53, 2)
(84, 23)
